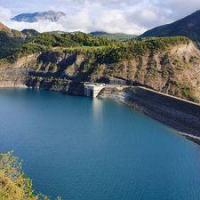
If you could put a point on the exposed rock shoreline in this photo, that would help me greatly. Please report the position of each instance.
(179, 114)
(12, 84)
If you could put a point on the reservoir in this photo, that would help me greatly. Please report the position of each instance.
(90, 149)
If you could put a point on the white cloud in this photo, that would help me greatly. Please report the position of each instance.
(129, 16)
(90, 17)
(5, 14)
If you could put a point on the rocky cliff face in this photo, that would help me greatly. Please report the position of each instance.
(15, 74)
(175, 70)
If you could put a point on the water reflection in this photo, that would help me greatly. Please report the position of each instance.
(97, 109)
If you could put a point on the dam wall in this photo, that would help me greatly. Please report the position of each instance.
(182, 115)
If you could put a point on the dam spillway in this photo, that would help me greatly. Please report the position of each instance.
(94, 89)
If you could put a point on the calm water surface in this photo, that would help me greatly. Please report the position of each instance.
(83, 149)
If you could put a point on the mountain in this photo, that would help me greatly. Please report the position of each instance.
(51, 16)
(188, 26)
(113, 36)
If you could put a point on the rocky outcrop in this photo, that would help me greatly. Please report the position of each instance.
(57, 85)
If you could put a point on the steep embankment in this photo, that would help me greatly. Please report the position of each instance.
(171, 66)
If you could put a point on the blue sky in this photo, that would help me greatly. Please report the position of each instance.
(129, 16)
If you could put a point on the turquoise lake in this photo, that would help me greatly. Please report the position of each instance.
(84, 149)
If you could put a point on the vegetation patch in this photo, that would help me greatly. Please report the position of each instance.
(14, 184)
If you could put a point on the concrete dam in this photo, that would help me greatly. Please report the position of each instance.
(94, 89)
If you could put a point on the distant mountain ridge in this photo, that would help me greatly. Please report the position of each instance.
(51, 16)
(30, 32)
(189, 26)
(113, 36)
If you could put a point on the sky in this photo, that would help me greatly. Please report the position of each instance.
(127, 16)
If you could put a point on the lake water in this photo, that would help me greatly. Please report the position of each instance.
(84, 149)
